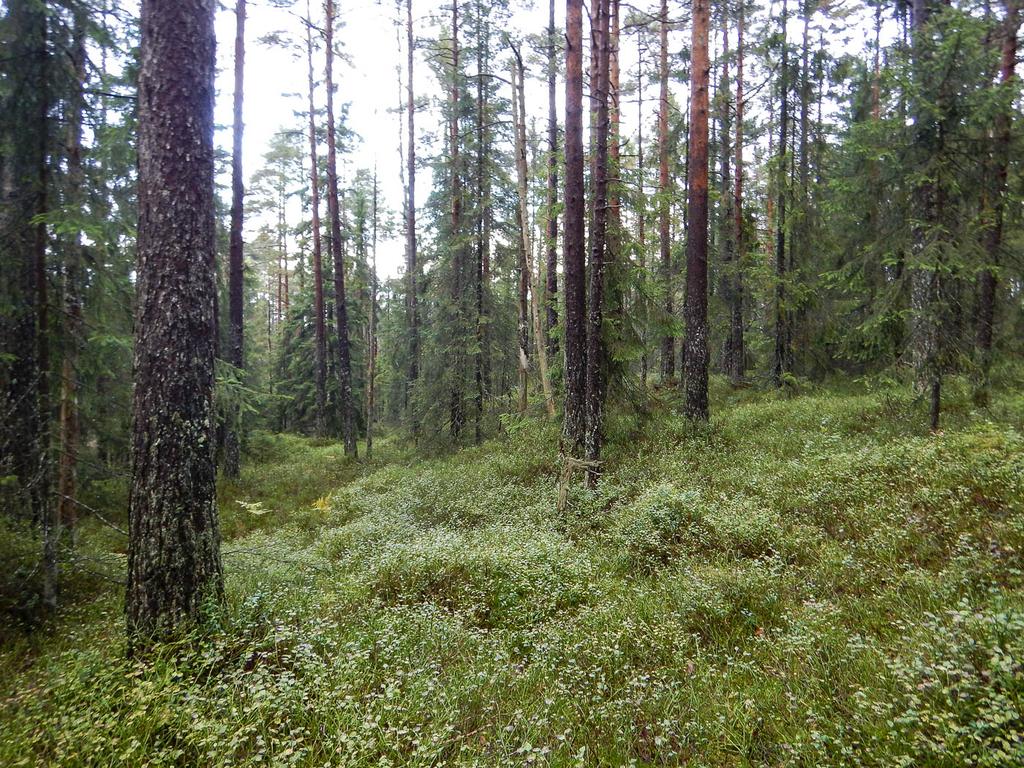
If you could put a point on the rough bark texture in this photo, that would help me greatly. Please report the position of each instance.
(551, 223)
(574, 425)
(319, 325)
(25, 68)
(695, 359)
(348, 426)
(668, 355)
(174, 541)
(236, 274)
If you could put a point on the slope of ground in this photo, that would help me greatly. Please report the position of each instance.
(812, 581)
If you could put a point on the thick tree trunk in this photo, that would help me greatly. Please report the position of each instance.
(348, 427)
(319, 326)
(551, 218)
(574, 425)
(695, 358)
(668, 355)
(595, 381)
(236, 266)
(174, 541)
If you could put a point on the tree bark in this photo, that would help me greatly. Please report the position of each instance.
(456, 405)
(319, 325)
(781, 353)
(411, 266)
(174, 541)
(595, 381)
(668, 355)
(348, 427)
(551, 223)
(574, 424)
(737, 351)
(987, 282)
(236, 266)
(527, 275)
(371, 366)
(695, 358)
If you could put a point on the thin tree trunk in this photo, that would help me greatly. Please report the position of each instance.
(348, 429)
(737, 363)
(456, 407)
(371, 368)
(70, 426)
(641, 206)
(551, 218)
(174, 562)
(781, 354)
(522, 220)
(411, 266)
(320, 330)
(695, 358)
(595, 381)
(236, 267)
(994, 236)
(574, 424)
(668, 357)
(526, 265)
(481, 323)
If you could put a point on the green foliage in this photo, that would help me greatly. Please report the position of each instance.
(806, 581)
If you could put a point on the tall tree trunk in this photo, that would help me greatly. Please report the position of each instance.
(456, 406)
(481, 320)
(695, 358)
(320, 329)
(994, 235)
(411, 265)
(527, 274)
(348, 427)
(641, 207)
(595, 381)
(781, 353)
(668, 355)
(371, 366)
(523, 222)
(236, 266)
(551, 216)
(574, 424)
(174, 540)
(737, 351)
(70, 425)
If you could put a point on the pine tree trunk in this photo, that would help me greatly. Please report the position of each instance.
(411, 266)
(737, 351)
(371, 366)
(781, 353)
(574, 425)
(595, 381)
(551, 223)
(319, 327)
(994, 237)
(236, 274)
(456, 405)
(668, 357)
(348, 427)
(70, 426)
(174, 541)
(695, 358)
(527, 275)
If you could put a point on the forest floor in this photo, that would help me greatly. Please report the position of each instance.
(809, 581)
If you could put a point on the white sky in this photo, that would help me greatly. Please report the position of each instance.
(275, 85)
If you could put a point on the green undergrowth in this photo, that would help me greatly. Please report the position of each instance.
(810, 580)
